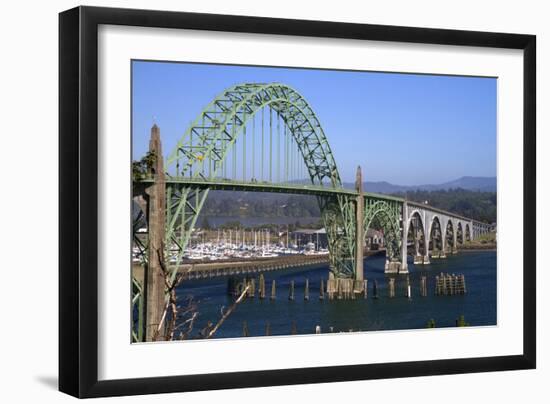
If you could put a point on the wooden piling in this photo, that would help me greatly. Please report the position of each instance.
(358, 285)
(344, 288)
(391, 287)
(252, 287)
(347, 288)
(408, 288)
(322, 290)
(463, 284)
(332, 289)
(291, 291)
(306, 290)
(423, 287)
(245, 329)
(261, 286)
(450, 284)
(267, 329)
(273, 292)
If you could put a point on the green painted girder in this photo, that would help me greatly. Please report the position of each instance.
(386, 215)
(236, 185)
(229, 185)
(240, 104)
(138, 327)
(204, 147)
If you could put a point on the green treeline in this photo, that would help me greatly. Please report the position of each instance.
(258, 205)
(481, 206)
(477, 205)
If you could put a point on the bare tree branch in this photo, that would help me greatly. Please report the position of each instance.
(227, 313)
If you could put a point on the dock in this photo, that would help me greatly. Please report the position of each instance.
(208, 270)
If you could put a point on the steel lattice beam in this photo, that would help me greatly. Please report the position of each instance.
(204, 147)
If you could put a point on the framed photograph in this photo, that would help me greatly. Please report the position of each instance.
(251, 201)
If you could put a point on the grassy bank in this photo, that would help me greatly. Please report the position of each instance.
(485, 242)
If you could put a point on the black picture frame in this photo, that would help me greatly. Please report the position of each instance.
(78, 204)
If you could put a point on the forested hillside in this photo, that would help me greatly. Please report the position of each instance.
(480, 206)
(222, 203)
(477, 205)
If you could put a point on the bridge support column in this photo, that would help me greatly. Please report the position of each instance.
(404, 234)
(154, 273)
(427, 238)
(455, 239)
(359, 231)
(443, 251)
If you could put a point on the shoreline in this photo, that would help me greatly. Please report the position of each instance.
(478, 249)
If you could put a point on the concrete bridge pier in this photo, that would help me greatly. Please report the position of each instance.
(394, 267)
(398, 265)
(426, 239)
(455, 240)
(443, 251)
(404, 233)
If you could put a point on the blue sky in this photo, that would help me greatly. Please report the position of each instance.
(402, 128)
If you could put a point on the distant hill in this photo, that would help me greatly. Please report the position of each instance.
(469, 196)
(482, 184)
(479, 205)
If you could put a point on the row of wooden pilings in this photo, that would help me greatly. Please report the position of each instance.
(235, 287)
(347, 289)
(450, 284)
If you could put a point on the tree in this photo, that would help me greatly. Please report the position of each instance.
(461, 322)
(206, 223)
(478, 205)
(141, 169)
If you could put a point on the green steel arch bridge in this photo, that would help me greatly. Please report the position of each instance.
(265, 137)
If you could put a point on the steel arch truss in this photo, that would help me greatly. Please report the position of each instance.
(386, 215)
(204, 147)
(338, 214)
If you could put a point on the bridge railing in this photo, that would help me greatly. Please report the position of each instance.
(221, 183)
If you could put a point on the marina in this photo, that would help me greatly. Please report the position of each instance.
(240, 244)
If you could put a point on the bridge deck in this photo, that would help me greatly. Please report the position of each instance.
(305, 189)
(444, 212)
(230, 185)
(300, 189)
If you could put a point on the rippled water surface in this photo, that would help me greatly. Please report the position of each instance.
(478, 306)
